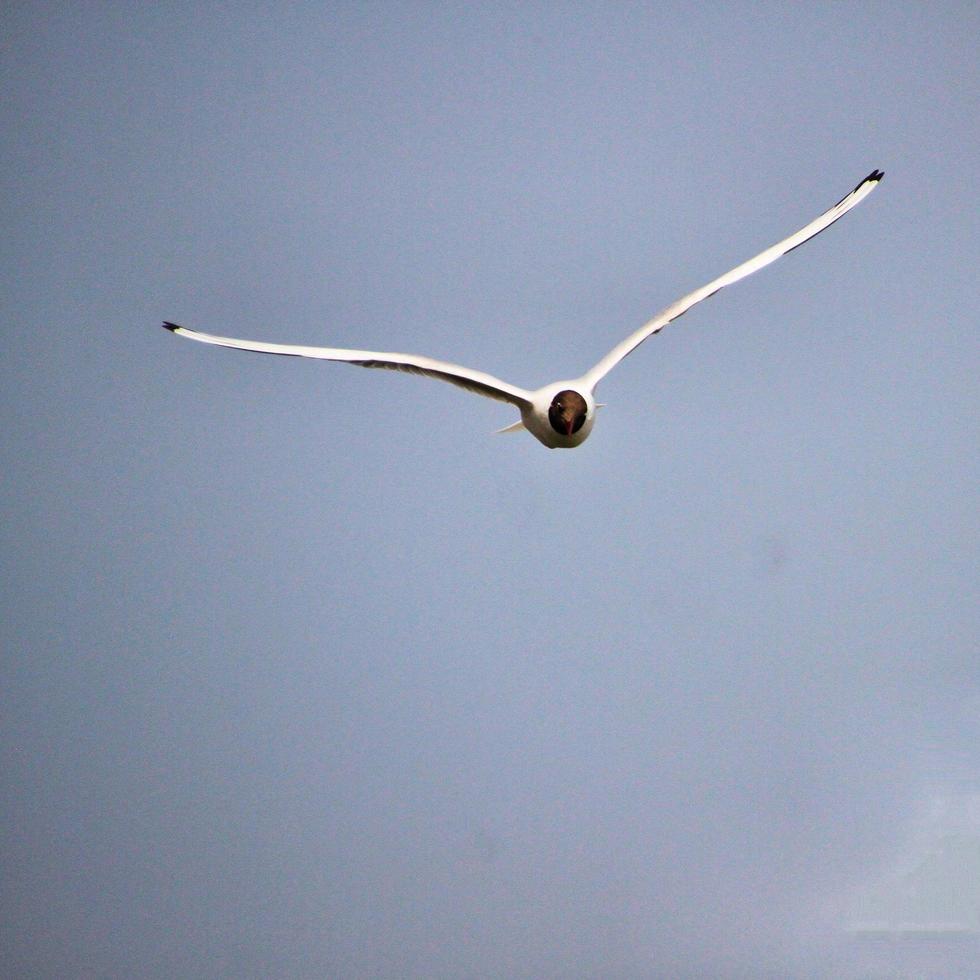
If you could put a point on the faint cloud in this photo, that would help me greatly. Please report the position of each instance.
(932, 885)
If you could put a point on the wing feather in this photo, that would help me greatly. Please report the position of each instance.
(475, 381)
(681, 306)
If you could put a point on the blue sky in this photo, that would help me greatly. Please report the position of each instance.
(306, 672)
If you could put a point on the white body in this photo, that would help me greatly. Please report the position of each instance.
(535, 416)
(535, 406)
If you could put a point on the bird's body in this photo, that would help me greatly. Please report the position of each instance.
(560, 415)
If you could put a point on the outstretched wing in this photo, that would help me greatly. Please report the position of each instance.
(739, 272)
(475, 381)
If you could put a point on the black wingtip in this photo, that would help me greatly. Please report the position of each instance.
(872, 178)
(172, 327)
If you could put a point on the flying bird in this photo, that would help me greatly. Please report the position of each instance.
(561, 414)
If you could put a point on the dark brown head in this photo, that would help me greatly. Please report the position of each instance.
(567, 412)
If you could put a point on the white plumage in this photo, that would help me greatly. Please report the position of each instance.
(560, 414)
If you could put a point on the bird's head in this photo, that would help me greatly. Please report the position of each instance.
(567, 412)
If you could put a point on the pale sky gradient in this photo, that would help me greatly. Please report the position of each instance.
(306, 673)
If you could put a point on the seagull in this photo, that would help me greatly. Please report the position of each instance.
(561, 414)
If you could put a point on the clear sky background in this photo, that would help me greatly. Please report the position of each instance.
(307, 673)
